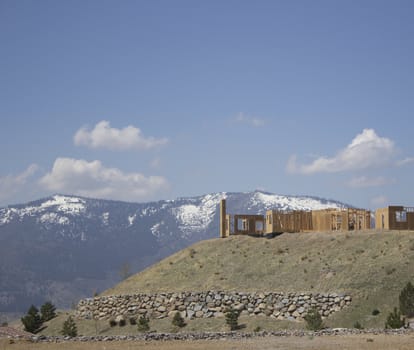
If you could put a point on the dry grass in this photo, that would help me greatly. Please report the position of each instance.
(360, 342)
(372, 266)
(91, 327)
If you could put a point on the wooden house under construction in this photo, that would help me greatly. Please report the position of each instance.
(394, 218)
(348, 219)
(275, 221)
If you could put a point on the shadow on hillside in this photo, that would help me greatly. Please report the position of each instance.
(266, 235)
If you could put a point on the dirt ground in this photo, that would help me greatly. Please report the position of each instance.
(351, 342)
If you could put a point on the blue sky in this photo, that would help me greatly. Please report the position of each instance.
(148, 100)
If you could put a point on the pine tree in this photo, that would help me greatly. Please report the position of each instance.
(314, 319)
(48, 311)
(232, 318)
(69, 328)
(143, 324)
(178, 320)
(394, 320)
(32, 321)
(407, 300)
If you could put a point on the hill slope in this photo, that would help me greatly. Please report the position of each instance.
(63, 248)
(371, 266)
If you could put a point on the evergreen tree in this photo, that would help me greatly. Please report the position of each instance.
(407, 300)
(358, 325)
(232, 318)
(48, 311)
(69, 328)
(32, 321)
(143, 324)
(314, 319)
(394, 320)
(178, 320)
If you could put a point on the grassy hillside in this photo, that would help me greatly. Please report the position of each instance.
(371, 266)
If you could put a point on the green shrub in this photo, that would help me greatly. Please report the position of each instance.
(313, 320)
(132, 321)
(394, 320)
(143, 324)
(32, 321)
(375, 312)
(358, 325)
(69, 328)
(178, 320)
(407, 300)
(112, 322)
(48, 311)
(232, 318)
(122, 322)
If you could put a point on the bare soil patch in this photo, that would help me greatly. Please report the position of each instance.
(361, 342)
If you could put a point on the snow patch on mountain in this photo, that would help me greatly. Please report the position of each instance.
(131, 219)
(196, 217)
(65, 204)
(155, 230)
(149, 211)
(105, 218)
(54, 218)
(6, 216)
(272, 201)
(57, 204)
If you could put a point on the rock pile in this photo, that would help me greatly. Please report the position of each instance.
(290, 306)
(219, 335)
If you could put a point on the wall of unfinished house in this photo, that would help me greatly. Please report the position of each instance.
(275, 221)
(328, 220)
(394, 218)
(295, 221)
(248, 224)
(317, 220)
(359, 219)
(341, 220)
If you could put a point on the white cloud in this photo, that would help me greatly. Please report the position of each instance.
(10, 185)
(405, 161)
(92, 179)
(103, 136)
(366, 150)
(363, 181)
(253, 121)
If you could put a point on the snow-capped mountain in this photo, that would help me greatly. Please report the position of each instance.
(63, 247)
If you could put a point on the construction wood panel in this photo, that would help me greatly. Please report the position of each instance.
(334, 219)
(294, 221)
(318, 220)
(394, 218)
(382, 219)
(248, 224)
(223, 220)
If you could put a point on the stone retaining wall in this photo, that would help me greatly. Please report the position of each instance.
(291, 306)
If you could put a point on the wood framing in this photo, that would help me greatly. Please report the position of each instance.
(293, 221)
(348, 219)
(276, 221)
(248, 224)
(394, 218)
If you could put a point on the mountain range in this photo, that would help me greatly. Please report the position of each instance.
(63, 247)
